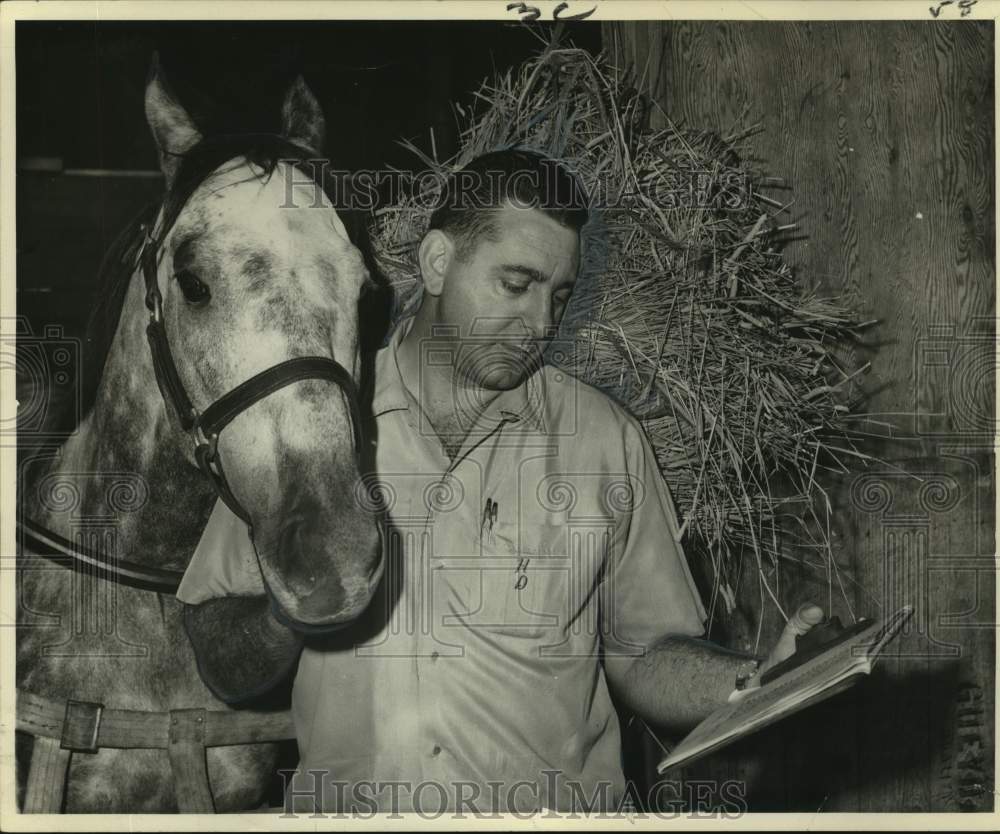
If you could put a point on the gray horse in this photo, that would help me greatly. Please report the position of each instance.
(257, 268)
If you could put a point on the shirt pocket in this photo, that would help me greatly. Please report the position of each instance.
(527, 586)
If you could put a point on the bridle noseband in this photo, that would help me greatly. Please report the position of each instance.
(206, 425)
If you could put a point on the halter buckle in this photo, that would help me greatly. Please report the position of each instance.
(81, 726)
(207, 447)
(155, 304)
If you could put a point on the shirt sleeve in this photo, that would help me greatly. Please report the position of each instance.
(649, 592)
(224, 563)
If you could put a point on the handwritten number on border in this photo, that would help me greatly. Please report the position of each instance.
(529, 14)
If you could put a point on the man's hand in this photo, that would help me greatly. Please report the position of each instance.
(680, 681)
(241, 649)
(808, 615)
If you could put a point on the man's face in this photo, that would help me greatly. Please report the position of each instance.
(506, 299)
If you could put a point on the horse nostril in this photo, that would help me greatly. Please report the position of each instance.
(326, 564)
(294, 544)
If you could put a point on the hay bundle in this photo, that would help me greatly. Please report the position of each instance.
(684, 312)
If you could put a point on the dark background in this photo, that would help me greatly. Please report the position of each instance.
(80, 85)
(80, 101)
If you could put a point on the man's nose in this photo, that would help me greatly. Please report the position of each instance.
(541, 322)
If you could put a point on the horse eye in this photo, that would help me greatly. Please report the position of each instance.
(195, 290)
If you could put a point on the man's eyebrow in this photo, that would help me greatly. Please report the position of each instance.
(526, 271)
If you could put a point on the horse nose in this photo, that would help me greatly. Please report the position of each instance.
(326, 566)
(337, 597)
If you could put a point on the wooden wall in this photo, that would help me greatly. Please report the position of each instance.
(883, 135)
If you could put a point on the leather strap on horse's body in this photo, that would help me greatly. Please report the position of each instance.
(76, 555)
(62, 728)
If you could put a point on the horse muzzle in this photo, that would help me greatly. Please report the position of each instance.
(310, 599)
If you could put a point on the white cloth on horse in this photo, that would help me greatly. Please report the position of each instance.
(217, 569)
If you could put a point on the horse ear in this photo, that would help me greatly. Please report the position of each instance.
(173, 129)
(302, 119)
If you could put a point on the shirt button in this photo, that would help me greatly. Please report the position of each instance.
(436, 750)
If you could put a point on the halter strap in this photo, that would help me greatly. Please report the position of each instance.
(54, 547)
(197, 164)
(207, 425)
(220, 413)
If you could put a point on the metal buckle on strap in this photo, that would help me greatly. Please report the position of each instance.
(154, 301)
(81, 726)
(205, 446)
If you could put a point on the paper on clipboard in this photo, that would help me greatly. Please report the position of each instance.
(816, 680)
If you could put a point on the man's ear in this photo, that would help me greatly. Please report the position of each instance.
(173, 129)
(435, 255)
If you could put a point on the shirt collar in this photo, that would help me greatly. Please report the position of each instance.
(524, 404)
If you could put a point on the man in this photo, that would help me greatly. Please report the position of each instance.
(533, 564)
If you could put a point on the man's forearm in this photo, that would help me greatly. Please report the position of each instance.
(677, 682)
(242, 650)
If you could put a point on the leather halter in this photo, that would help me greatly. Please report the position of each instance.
(206, 425)
(88, 560)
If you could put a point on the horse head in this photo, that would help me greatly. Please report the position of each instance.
(255, 268)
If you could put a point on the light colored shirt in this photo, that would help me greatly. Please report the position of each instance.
(548, 540)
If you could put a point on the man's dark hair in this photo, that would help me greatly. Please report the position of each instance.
(522, 178)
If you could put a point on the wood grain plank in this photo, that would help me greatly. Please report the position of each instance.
(883, 134)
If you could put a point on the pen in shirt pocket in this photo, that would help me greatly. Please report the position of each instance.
(490, 512)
